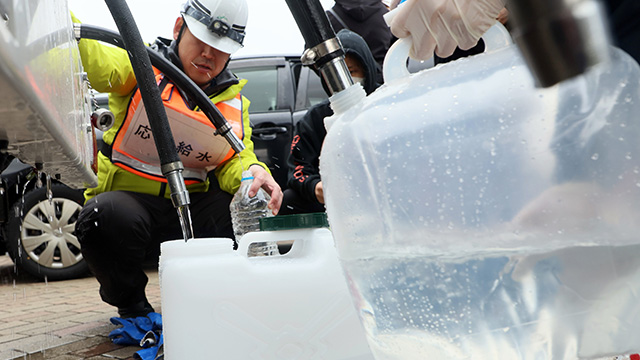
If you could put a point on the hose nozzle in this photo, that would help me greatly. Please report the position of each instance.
(328, 59)
(179, 193)
(179, 196)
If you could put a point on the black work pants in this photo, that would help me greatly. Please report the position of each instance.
(118, 229)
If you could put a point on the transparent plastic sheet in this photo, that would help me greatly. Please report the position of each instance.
(480, 217)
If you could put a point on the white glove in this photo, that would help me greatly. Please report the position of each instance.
(441, 25)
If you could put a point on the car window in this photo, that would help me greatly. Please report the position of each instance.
(315, 92)
(261, 88)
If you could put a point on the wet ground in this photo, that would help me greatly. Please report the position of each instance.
(67, 320)
(62, 320)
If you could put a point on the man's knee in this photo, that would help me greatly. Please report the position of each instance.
(106, 216)
(88, 221)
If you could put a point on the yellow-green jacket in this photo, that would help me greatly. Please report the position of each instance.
(110, 71)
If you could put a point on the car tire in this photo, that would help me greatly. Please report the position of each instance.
(41, 250)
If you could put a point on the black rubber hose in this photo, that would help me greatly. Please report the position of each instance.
(177, 76)
(312, 21)
(145, 77)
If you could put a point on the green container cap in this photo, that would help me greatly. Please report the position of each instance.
(294, 221)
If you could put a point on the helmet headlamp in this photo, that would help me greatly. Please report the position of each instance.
(215, 25)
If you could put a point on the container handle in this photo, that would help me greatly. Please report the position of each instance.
(395, 62)
(300, 238)
(497, 37)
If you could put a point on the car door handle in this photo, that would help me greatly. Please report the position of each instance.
(269, 133)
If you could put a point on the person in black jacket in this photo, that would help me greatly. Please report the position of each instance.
(624, 17)
(365, 18)
(304, 193)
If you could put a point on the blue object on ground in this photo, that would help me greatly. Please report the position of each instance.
(144, 331)
(150, 353)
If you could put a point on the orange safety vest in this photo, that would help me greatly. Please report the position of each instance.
(199, 149)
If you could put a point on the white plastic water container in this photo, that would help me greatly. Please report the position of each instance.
(480, 217)
(218, 303)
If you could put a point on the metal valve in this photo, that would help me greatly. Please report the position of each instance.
(102, 119)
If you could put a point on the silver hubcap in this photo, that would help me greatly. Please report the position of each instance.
(47, 233)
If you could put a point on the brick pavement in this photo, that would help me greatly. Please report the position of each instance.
(67, 320)
(62, 320)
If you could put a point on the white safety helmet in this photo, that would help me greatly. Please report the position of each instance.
(218, 23)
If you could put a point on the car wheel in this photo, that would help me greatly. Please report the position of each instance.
(41, 233)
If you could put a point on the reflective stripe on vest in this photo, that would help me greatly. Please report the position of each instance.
(199, 149)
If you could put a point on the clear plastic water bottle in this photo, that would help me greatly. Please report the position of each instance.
(246, 213)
